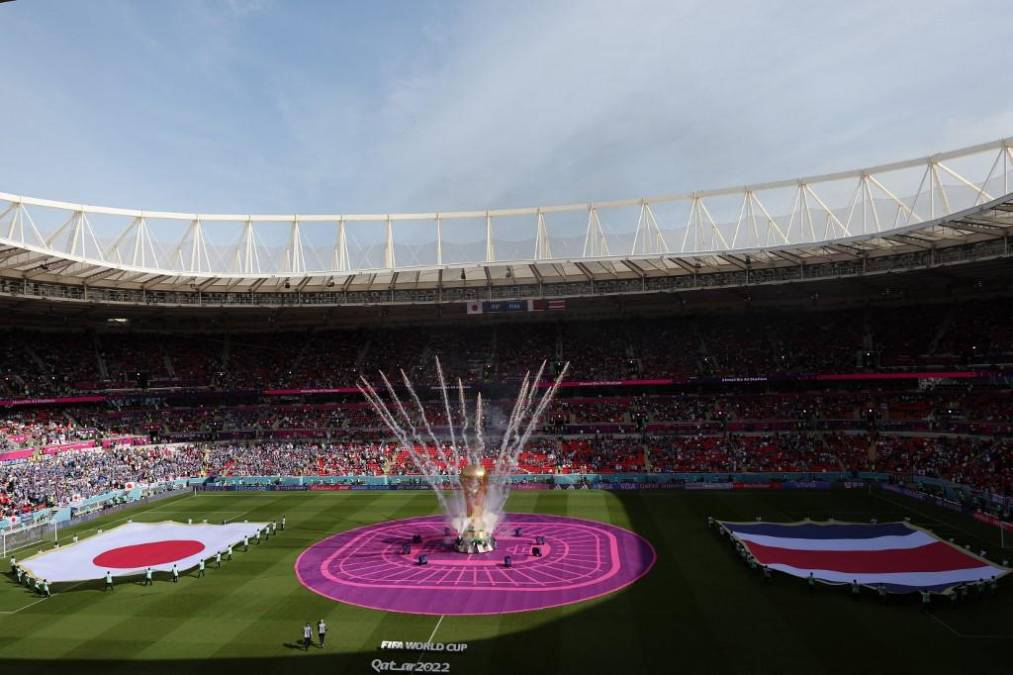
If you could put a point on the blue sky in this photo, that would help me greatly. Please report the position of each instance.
(248, 106)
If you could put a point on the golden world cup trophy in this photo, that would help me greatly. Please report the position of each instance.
(475, 538)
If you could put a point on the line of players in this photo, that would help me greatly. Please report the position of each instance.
(41, 586)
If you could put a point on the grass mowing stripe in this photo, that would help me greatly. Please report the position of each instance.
(281, 604)
(700, 608)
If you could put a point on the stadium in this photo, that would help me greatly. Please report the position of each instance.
(758, 428)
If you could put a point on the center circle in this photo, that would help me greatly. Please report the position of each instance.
(377, 566)
(148, 554)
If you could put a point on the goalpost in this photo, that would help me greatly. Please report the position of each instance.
(14, 539)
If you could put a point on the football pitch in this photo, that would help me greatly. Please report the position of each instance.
(699, 609)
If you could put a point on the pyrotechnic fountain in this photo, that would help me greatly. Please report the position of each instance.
(469, 469)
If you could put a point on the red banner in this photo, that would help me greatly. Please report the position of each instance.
(992, 520)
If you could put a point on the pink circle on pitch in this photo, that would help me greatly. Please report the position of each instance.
(148, 554)
(580, 560)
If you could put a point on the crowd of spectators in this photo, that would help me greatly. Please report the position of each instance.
(42, 428)
(744, 344)
(961, 433)
(56, 480)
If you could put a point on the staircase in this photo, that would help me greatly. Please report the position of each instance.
(167, 362)
(944, 326)
(223, 363)
(103, 368)
(360, 356)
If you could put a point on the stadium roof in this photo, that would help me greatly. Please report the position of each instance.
(775, 231)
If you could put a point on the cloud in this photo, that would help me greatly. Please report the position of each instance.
(260, 106)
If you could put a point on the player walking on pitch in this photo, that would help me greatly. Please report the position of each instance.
(321, 630)
(307, 637)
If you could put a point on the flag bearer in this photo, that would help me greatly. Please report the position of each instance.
(147, 577)
(14, 565)
(218, 559)
(283, 521)
(228, 552)
(855, 589)
(45, 588)
(200, 568)
(926, 599)
(109, 582)
(246, 543)
(175, 574)
(812, 582)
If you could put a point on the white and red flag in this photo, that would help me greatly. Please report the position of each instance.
(132, 548)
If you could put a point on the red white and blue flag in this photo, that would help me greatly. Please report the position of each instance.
(899, 556)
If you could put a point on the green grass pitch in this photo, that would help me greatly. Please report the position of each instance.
(699, 610)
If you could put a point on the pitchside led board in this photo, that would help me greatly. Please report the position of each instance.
(130, 549)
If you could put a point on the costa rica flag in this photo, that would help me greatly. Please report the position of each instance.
(899, 556)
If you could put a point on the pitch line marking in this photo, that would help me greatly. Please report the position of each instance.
(32, 604)
(422, 652)
(927, 516)
(967, 635)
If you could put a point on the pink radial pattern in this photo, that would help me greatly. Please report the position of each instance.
(377, 566)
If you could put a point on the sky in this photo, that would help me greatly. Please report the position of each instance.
(295, 106)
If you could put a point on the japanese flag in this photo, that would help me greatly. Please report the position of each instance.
(132, 548)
